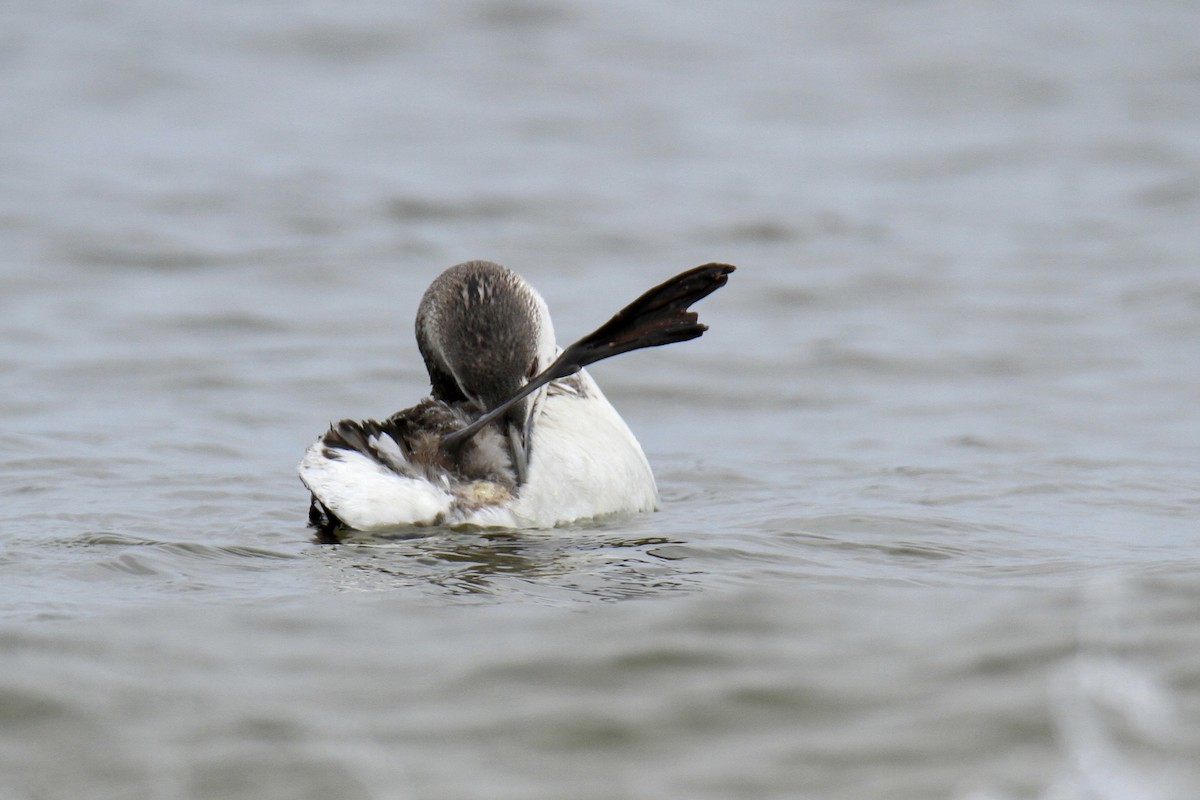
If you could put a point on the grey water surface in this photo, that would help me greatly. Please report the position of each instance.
(930, 484)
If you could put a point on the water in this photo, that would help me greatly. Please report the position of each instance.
(930, 483)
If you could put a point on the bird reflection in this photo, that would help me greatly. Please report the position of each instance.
(563, 566)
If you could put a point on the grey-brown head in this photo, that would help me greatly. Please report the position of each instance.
(484, 332)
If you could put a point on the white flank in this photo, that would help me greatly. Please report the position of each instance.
(367, 495)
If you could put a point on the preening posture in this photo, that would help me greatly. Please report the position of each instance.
(516, 433)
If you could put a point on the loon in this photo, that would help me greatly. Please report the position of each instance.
(516, 433)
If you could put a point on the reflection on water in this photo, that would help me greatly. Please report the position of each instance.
(561, 566)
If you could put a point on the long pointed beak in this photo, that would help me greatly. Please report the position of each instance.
(520, 453)
(658, 317)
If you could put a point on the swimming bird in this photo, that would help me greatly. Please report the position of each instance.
(516, 433)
